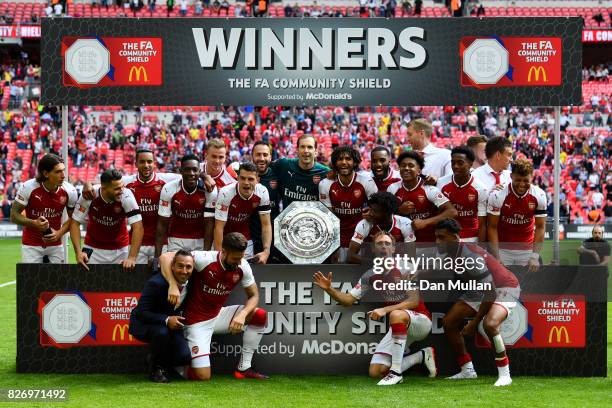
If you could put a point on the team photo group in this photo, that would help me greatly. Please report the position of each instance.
(201, 229)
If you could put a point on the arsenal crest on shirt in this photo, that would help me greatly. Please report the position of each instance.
(117, 208)
(357, 193)
(471, 197)
(316, 179)
(62, 200)
(202, 201)
(254, 204)
(532, 206)
(421, 198)
(157, 188)
(273, 184)
(235, 277)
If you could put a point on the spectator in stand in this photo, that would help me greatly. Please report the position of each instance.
(595, 250)
(169, 7)
(480, 11)
(418, 5)
(151, 4)
(183, 8)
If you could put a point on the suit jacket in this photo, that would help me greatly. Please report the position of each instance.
(153, 307)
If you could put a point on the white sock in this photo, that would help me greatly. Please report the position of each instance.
(250, 341)
(412, 360)
(397, 352)
(467, 367)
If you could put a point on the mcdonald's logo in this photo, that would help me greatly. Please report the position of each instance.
(122, 329)
(141, 71)
(558, 331)
(536, 71)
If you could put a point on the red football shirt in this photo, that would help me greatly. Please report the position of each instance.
(40, 202)
(470, 200)
(347, 202)
(426, 200)
(383, 184)
(147, 196)
(106, 221)
(517, 214)
(236, 210)
(211, 285)
(186, 210)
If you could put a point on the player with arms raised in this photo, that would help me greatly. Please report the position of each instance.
(44, 199)
(215, 276)
(409, 319)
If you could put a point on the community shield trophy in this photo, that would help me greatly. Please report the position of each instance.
(306, 232)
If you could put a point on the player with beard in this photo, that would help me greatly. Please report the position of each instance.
(424, 205)
(382, 217)
(236, 205)
(147, 185)
(215, 276)
(516, 219)
(347, 194)
(44, 199)
(106, 218)
(186, 212)
(262, 157)
(409, 319)
(299, 178)
(492, 307)
(382, 173)
(468, 196)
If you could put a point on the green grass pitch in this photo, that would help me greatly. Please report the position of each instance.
(358, 391)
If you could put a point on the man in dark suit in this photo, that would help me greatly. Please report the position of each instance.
(157, 322)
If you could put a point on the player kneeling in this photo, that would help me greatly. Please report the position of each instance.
(214, 277)
(410, 320)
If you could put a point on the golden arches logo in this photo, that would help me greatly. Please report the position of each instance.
(558, 331)
(536, 71)
(122, 329)
(141, 71)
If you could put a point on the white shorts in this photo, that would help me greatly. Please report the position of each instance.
(469, 239)
(505, 297)
(342, 255)
(35, 254)
(107, 256)
(514, 256)
(188, 244)
(419, 329)
(147, 253)
(250, 250)
(198, 335)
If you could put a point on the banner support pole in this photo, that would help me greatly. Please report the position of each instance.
(66, 169)
(557, 185)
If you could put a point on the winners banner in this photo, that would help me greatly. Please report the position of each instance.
(75, 321)
(290, 61)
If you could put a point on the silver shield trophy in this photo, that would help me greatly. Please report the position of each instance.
(306, 232)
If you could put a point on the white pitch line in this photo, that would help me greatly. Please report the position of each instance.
(8, 283)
